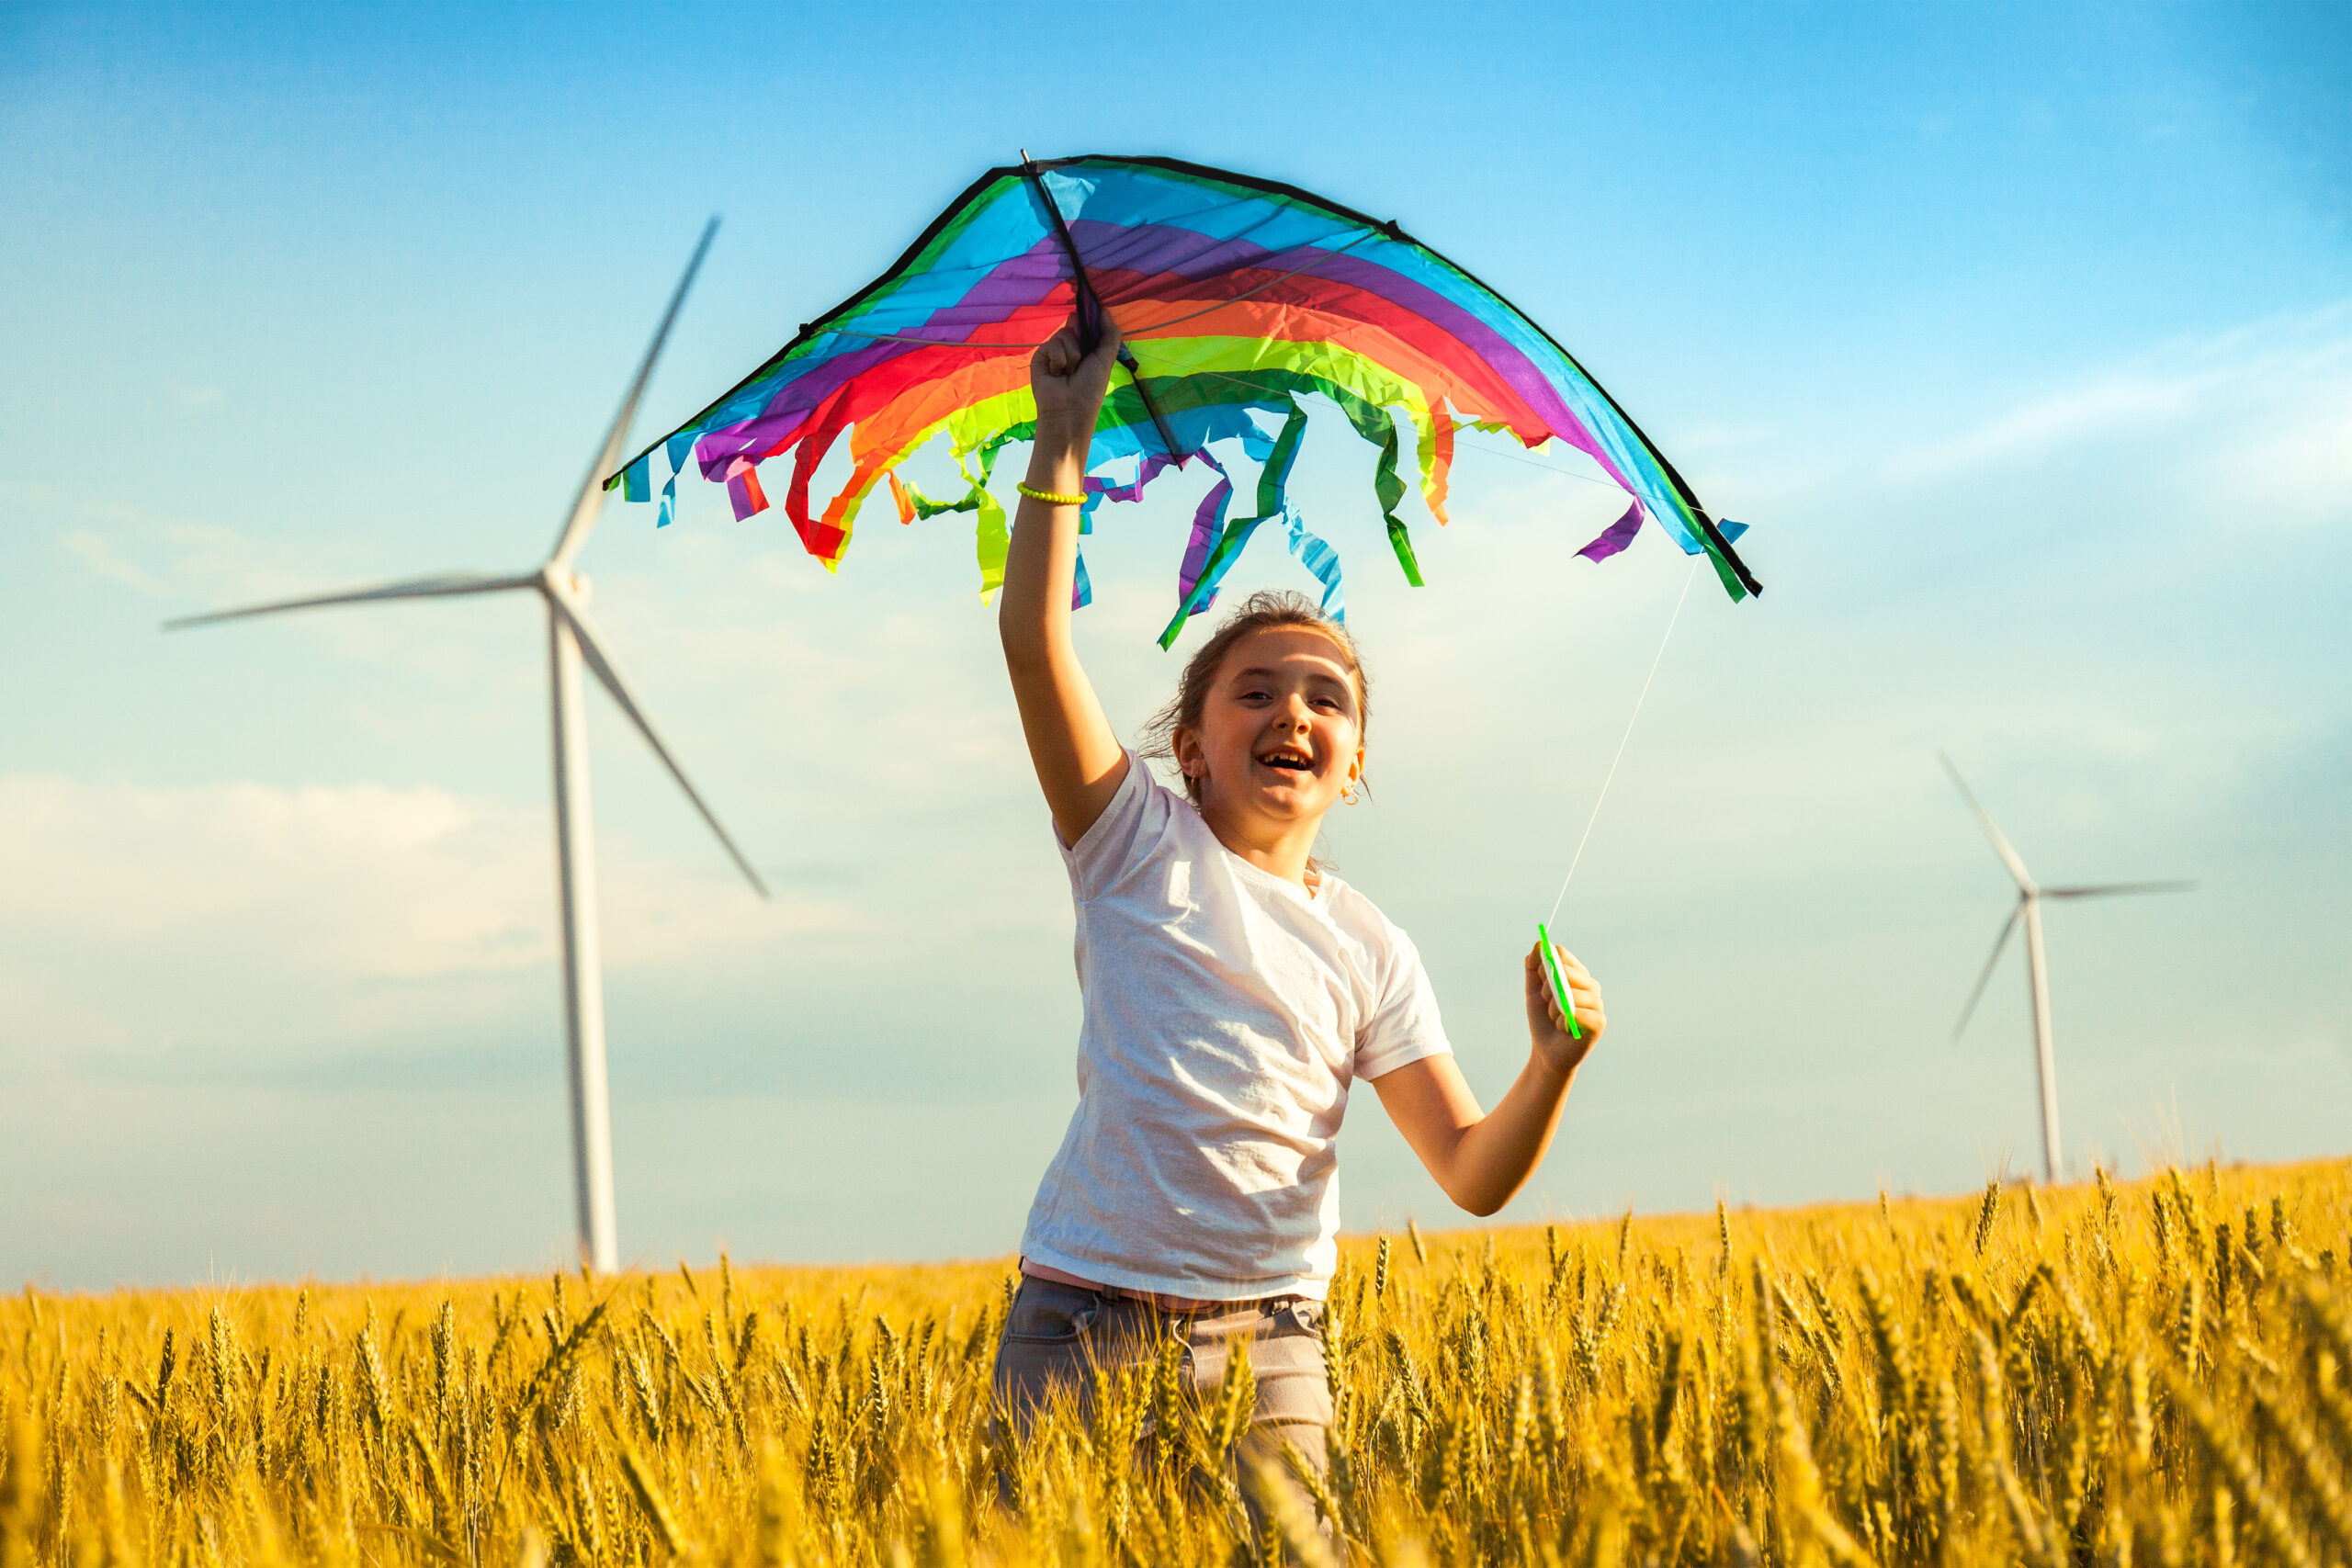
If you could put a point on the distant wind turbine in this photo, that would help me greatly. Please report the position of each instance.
(2029, 908)
(572, 638)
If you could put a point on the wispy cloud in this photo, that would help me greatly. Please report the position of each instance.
(275, 913)
(160, 554)
(100, 558)
(2266, 406)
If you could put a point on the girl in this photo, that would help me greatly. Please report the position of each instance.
(1232, 988)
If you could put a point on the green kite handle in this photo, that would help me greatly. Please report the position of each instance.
(1559, 981)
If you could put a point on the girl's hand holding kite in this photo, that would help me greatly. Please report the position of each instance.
(1553, 1044)
(1069, 385)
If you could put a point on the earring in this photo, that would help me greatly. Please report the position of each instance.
(1348, 792)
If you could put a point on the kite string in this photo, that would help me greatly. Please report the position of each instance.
(1687, 578)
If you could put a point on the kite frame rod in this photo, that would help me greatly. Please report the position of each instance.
(1092, 311)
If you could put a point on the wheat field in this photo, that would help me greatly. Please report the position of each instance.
(2158, 1373)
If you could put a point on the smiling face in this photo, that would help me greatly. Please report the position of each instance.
(1281, 731)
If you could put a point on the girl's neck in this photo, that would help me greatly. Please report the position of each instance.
(1285, 849)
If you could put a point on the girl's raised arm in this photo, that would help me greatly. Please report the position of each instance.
(1078, 759)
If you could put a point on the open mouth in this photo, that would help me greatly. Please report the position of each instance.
(1289, 762)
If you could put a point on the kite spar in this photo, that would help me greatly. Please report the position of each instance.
(1090, 311)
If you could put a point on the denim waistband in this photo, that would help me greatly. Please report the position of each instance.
(1188, 1306)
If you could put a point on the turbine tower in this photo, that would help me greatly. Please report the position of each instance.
(572, 639)
(2029, 909)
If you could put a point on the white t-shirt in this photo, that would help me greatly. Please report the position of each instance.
(1226, 1011)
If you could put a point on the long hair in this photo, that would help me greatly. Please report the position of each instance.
(1262, 611)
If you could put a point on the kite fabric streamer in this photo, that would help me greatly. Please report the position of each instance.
(1235, 297)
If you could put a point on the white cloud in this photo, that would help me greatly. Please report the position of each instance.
(243, 911)
(200, 567)
(2074, 414)
(2262, 413)
(93, 550)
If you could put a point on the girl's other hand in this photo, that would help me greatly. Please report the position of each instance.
(1069, 385)
(1482, 1158)
(1553, 1046)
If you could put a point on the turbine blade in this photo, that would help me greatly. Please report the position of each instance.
(2100, 890)
(1999, 943)
(2000, 845)
(592, 489)
(600, 661)
(441, 587)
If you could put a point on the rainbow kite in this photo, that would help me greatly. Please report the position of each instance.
(1235, 296)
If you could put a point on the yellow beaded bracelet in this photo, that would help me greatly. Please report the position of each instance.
(1048, 497)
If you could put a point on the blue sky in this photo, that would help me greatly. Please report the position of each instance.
(2022, 336)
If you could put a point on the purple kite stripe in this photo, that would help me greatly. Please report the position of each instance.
(1169, 250)
(1177, 252)
(1616, 537)
(1149, 470)
(1015, 284)
(1207, 522)
(1524, 374)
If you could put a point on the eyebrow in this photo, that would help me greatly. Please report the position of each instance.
(1265, 673)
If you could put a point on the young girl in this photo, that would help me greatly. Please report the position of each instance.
(1232, 988)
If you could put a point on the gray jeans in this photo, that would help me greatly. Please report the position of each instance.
(1057, 1335)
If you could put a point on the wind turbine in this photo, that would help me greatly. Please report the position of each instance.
(572, 639)
(2029, 909)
